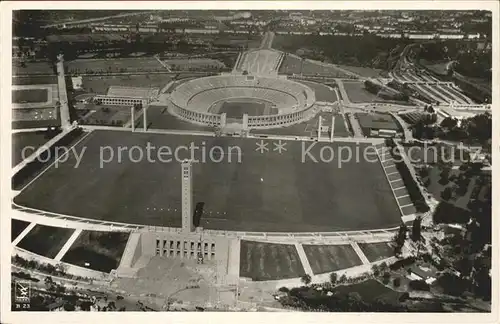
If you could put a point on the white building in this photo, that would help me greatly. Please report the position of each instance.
(127, 96)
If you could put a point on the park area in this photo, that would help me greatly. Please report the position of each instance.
(268, 261)
(238, 185)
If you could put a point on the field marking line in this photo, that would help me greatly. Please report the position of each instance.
(390, 166)
(303, 259)
(392, 173)
(391, 181)
(23, 234)
(394, 189)
(68, 244)
(52, 164)
(407, 205)
(403, 196)
(359, 253)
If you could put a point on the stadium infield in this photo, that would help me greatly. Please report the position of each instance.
(265, 192)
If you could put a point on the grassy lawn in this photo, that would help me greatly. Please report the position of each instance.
(339, 127)
(100, 84)
(17, 226)
(327, 258)
(321, 91)
(29, 95)
(103, 250)
(45, 240)
(357, 93)
(268, 261)
(370, 290)
(294, 65)
(249, 195)
(106, 115)
(376, 251)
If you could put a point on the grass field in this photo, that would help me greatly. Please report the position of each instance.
(370, 290)
(29, 142)
(34, 168)
(295, 65)
(363, 71)
(267, 261)
(45, 240)
(17, 226)
(29, 95)
(327, 258)
(32, 68)
(322, 92)
(105, 115)
(237, 108)
(34, 79)
(339, 127)
(100, 84)
(357, 93)
(265, 192)
(103, 250)
(114, 65)
(376, 251)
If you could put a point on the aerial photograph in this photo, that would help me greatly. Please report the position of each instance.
(251, 161)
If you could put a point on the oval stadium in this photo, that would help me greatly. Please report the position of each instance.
(267, 102)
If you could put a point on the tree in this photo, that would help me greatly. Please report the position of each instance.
(449, 123)
(416, 229)
(375, 270)
(400, 238)
(333, 278)
(306, 279)
(446, 194)
(396, 282)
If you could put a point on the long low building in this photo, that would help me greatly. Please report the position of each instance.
(127, 96)
(381, 125)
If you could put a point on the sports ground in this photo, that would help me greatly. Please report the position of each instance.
(30, 95)
(265, 192)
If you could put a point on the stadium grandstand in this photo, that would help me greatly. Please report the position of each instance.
(34, 102)
(122, 96)
(249, 101)
(201, 94)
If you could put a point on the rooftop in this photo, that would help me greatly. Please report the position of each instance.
(377, 121)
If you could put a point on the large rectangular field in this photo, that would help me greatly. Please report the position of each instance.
(29, 95)
(327, 258)
(239, 187)
(269, 261)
